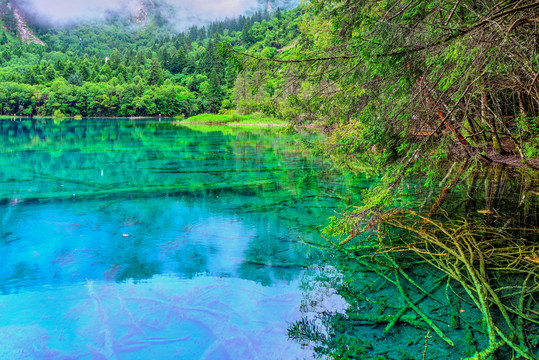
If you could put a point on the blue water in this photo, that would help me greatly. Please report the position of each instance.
(134, 239)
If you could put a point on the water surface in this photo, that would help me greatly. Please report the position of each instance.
(137, 239)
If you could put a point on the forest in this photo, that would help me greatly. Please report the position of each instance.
(419, 96)
(376, 74)
(404, 75)
(110, 70)
(396, 77)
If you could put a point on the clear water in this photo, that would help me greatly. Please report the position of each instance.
(137, 239)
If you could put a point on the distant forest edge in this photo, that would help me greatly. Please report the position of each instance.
(387, 79)
(113, 70)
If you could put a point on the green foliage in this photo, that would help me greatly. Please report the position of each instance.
(227, 116)
(529, 128)
(398, 85)
(58, 114)
(119, 72)
(75, 79)
(337, 227)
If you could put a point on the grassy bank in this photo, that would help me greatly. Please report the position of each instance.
(232, 119)
(11, 117)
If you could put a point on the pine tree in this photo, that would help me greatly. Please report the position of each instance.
(215, 96)
(140, 59)
(177, 63)
(164, 58)
(246, 36)
(50, 73)
(209, 58)
(154, 73)
(3, 38)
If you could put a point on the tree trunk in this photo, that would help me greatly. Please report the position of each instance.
(521, 105)
(471, 196)
(441, 114)
(491, 124)
(473, 130)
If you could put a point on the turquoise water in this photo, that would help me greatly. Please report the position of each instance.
(137, 239)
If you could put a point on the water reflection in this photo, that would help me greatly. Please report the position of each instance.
(449, 274)
(138, 238)
(162, 318)
(157, 241)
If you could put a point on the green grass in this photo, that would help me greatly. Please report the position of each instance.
(229, 130)
(12, 117)
(232, 119)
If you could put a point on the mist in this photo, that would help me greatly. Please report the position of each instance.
(180, 13)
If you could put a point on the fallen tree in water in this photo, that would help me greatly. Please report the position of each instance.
(463, 271)
(498, 272)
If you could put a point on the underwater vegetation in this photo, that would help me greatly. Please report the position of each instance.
(445, 278)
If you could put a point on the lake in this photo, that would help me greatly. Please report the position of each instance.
(140, 239)
(144, 239)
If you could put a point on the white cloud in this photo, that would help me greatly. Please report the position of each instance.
(59, 12)
(65, 11)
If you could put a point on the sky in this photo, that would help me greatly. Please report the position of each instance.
(61, 12)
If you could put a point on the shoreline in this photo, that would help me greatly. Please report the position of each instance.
(175, 120)
(180, 123)
(490, 156)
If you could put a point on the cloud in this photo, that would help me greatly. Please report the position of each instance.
(183, 13)
(68, 11)
(213, 9)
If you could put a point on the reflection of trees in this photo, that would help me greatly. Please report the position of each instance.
(137, 269)
(440, 285)
(254, 176)
(500, 196)
(115, 156)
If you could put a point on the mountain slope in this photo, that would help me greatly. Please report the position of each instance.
(15, 21)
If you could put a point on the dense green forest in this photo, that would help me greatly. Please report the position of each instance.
(112, 70)
(395, 84)
(389, 80)
(405, 76)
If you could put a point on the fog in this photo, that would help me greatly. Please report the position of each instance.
(181, 13)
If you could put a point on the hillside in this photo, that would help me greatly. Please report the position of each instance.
(390, 90)
(114, 68)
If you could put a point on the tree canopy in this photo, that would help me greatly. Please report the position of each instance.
(120, 72)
